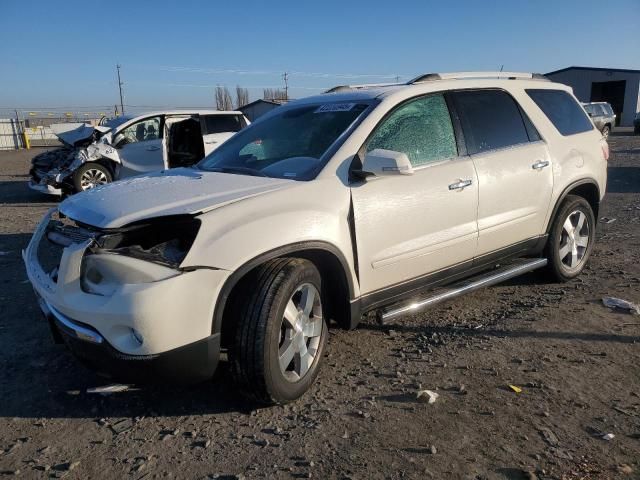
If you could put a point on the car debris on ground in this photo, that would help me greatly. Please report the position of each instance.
(620, 304)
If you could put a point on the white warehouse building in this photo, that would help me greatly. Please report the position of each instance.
(621, 88)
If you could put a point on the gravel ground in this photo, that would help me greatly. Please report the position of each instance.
(577, 362)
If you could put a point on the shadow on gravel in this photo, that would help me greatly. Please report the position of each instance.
(480, 332)
(19, 192)
(627, 132)
(62, 394)
(623, 180)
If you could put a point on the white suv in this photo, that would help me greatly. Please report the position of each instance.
(387, 198)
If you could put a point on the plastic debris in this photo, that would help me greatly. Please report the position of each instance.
(515, 388)
(427, 396)
(608, 436)
(607, 220)
(109, 389)
(620, 304)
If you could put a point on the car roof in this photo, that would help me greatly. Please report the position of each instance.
(432, 83)
(177, 112)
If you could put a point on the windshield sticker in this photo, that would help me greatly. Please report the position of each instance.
(335, 107)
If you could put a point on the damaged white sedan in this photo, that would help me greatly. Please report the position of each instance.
(93, 156)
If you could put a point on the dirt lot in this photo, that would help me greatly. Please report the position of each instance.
(577, 362)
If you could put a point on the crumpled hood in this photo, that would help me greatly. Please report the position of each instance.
(72, 133)
(170, 192)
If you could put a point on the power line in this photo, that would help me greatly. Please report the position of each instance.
(120, 88)
(171, 68)
(285, 77)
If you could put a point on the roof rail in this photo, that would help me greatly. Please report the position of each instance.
(428, 77)
(340, 88)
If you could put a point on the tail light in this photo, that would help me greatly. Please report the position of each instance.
(605, 150)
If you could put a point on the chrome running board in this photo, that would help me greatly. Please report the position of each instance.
(475, 283)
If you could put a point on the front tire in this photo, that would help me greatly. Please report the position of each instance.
(606, 131)
(90, 175)
(280, 332)
(571, 239)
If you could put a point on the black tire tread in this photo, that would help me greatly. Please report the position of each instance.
(569, 203)
(247, 353)
(86, 166)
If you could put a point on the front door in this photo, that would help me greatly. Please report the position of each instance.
(140, 147)
(407, 226)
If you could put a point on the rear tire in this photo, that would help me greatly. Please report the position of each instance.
(605, 131)
(90, 175)
(280, 332)
(571, 239)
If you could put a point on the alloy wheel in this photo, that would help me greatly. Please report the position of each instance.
(300, 332)
(574, 239)
(92, 178)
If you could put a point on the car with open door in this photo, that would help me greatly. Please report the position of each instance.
(386, 198)
(93, 156)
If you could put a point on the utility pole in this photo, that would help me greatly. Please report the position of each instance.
(397, 78)
(120, 88)
(285, 77)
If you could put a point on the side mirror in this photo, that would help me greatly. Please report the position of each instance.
(382, 163)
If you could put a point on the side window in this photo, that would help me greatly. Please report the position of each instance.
(421, 129)
(562, 110)
(147, 129)
(490, 119)
(222, 123)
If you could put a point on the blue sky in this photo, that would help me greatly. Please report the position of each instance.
(63, 54)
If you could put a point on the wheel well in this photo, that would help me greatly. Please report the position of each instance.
(335, 288)
(588, 190)
(108, 164)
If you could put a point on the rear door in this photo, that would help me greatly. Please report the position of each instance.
(217, 128)
(408, 226)
(140, 146)
(513, 164)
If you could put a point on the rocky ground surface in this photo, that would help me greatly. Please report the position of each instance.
(576, 362)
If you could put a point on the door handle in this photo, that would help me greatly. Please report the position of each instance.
(152, 148)
(459, 185)
(540, 164)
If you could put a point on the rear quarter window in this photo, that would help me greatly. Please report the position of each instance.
(562, 110)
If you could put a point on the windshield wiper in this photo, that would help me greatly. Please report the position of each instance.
(240, 170)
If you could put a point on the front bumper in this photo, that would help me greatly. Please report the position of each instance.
(191, 363)
(44, 188)
(173, 316)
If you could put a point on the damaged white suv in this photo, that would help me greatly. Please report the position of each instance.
(387, 198)
(93, 156)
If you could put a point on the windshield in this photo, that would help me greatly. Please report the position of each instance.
(287, 144)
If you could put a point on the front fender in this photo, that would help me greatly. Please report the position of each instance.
(312, 212)
(102, 150)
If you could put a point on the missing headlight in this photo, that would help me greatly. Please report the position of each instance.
(163, 240)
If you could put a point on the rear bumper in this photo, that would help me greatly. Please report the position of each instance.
(192, 363)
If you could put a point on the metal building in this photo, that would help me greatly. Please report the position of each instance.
(621, 88)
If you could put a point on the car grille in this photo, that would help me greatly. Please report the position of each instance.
(58, 235)
(49, 255)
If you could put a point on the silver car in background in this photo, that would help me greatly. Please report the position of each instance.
(602, 116)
